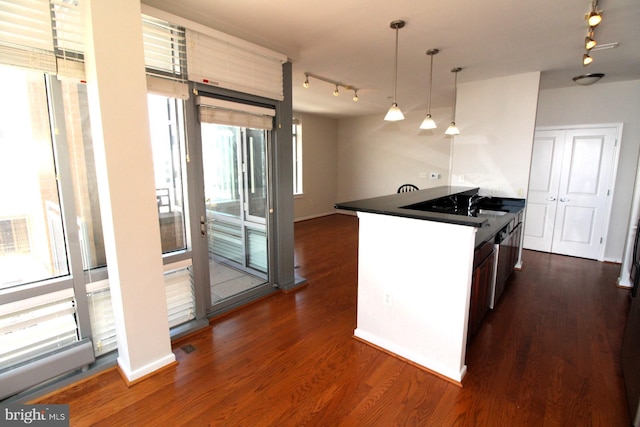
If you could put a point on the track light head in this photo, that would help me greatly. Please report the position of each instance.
(586, 59)
(355, 95)
(306, 81)
(594, 18)
(336, 92)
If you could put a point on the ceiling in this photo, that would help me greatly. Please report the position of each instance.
(351, 42)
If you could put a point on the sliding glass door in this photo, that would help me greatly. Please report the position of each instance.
(236, 203)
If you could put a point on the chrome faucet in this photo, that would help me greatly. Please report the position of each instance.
(473, 201)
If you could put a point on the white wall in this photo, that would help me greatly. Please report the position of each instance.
(603, 103)
(319, 166)
(376, 157)
(496, 119)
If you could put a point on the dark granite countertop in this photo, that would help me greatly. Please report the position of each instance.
(404, 205)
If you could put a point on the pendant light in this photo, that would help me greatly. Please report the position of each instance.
(394, 113)
(453, 129)
(428, 122)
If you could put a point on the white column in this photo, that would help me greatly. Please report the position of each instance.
(114, 61)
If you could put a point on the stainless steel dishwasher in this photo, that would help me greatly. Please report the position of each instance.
(506, 247)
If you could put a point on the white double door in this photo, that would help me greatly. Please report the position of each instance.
(572, 173)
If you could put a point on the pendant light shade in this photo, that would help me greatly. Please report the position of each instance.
(453, 129)
(394, 113)
(428, 122)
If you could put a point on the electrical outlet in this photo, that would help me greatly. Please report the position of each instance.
(422, 175)
(434, 175)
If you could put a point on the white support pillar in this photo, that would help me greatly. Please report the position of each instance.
(114, 61)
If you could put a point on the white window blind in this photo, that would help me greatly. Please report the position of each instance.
(180, 305)
(165, 58)
(223, 112)
(221, 63)
(68, 38)
(26, 39)
(165, 48)
(37, 325)
(178, 283)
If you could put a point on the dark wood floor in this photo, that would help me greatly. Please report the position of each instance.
(548, 355)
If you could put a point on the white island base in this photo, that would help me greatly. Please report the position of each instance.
(414, 285)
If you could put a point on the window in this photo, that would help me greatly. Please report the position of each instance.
(33, 247)
(167, 136)
(39, 307)
(296, 132)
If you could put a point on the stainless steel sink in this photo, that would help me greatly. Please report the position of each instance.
(490, 212)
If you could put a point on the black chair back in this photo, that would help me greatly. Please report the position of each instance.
(405, 188)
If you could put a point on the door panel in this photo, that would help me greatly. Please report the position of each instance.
(583, 196)
(537, 223)
(543, 189)
(235, 187)
(577, 225)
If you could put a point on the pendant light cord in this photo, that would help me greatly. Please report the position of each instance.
(430, 82)
(395, 72)
(455, 71)
(455, 94)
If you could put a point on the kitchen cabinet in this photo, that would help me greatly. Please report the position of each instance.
(481, 284)
(418, 271)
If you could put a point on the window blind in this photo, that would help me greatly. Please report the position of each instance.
(181, 305)
(165, 48)
(37, 325)
(165, 58)
(68, 38)
(26, 39)
(221, 63)
(178, 282)
(219, 111)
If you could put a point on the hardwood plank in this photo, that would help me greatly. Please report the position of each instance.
(547, 355)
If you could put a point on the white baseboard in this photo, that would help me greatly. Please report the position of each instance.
(320, 215)
(136, 374)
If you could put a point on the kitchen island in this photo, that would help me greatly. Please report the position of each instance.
(415, 268)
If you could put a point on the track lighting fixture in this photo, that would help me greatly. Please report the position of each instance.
(589, 41)
(453, 129)
(428, 122)
(394, 113)
(594, 17)
(338, 85)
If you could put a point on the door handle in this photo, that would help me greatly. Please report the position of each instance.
(564, 199)
(203, 225)
(551, 199)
